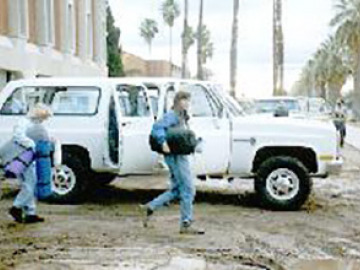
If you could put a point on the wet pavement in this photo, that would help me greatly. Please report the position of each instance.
(353, 135)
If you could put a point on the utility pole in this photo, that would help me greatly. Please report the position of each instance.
(200, 71)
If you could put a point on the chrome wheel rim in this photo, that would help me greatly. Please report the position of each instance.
(63, 180)
(282, 184)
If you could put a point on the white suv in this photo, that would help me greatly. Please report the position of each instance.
(104, 125)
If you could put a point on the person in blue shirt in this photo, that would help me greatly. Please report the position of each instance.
(181, 179)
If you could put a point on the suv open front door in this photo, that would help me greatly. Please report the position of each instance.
(136, 120)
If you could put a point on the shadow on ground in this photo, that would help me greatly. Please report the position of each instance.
(114, 195)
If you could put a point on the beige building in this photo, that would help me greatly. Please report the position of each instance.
(52, 38)
(136, 66)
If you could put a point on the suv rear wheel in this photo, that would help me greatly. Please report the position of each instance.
(69, 181)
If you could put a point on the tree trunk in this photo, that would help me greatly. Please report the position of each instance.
(323, 90)
(184, 51)
(356, 97)
(233, 49)
(170, 53)
(200, 74)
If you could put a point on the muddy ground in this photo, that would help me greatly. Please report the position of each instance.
(106, 231)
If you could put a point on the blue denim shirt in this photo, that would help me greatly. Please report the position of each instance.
(170, 119)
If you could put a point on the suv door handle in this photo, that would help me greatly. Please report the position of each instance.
(125, 123)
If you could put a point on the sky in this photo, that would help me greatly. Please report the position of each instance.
(305, 27)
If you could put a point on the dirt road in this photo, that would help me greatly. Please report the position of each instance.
(106, 232)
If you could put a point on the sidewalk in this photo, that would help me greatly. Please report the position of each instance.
(353, 136)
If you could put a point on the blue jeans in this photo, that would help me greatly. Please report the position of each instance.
(26, 197)
(181, 187)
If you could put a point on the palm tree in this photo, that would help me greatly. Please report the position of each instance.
(307, 80)
(278, 49)
(187, 40)
(319, 71)
(200, 74)
(207, 47)
(347, 24)
(336, 69)
(326, 71)
(148, 30)
(233, 49)
(170, 11)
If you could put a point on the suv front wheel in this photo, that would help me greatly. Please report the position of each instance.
(282, 183)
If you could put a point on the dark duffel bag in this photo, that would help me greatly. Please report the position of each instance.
(154, 145)
(181, 141)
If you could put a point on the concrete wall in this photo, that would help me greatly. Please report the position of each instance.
(36, 42)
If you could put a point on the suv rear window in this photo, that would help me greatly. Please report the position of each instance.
(62, 100)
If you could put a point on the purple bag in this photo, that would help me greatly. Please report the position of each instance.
(17, 166)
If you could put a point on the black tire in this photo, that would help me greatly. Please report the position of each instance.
(297, 197)
(73, 162)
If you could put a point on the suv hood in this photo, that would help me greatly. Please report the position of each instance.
(285, 125)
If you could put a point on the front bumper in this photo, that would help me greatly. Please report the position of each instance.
(334, 167)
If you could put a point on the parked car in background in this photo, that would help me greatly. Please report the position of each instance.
(247, 104)
(269, 106)
(316, 108)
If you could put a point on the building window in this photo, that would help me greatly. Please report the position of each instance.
(3, 17)
(34, 14)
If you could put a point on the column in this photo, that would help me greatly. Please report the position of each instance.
(99, 30)
(81, 26)
(89, 29)
(45, 22)
(68, 31)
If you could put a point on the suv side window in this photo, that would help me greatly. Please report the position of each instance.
(169, 99)
(201, 103)
(113, 140)
(133, 101)
(75, 100)
(62, 100)
(16, 104)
